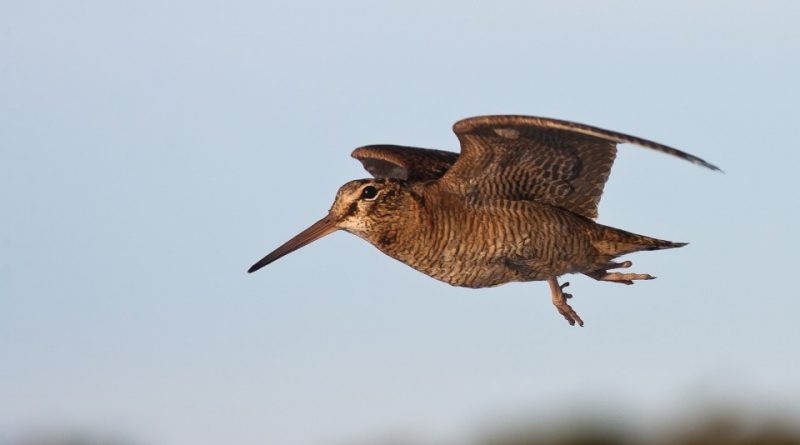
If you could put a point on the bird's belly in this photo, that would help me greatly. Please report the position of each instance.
(477, 275)
(467, 264)
(481, 247)
(477, 254)
(494, 272)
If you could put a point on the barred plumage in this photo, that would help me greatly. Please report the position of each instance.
(517, 204)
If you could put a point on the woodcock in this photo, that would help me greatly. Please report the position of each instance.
(518, 204)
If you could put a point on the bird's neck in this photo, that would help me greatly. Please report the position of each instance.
(400, 230)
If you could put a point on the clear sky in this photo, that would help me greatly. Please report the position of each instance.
(151, 151)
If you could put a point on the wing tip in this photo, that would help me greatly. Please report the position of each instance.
(713, 167)
(360, 152)
(703, 163)
(471, 123)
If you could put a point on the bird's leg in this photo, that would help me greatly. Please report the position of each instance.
(560, 301)
(602, 273)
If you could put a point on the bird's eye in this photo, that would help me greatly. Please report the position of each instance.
(369, 193)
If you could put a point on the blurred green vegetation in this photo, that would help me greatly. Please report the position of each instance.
(708, 429)
(705, 427)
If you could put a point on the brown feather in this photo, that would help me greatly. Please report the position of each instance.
(400, 162)
(560, 163)
(516, 205)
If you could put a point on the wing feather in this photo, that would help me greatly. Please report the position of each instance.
(561, 163)
(409, 163)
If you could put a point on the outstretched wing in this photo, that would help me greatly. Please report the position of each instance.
(561, 163)
(409, 163)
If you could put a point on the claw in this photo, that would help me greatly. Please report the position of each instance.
(566, 295)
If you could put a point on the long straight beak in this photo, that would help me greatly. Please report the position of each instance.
(325, 226)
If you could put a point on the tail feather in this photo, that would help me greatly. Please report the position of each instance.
(615, 242)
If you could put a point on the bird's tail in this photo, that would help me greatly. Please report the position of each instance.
(616, 242)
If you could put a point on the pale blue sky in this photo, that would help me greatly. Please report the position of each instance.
(151, 151)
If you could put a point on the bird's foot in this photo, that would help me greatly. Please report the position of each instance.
(625, 278)
(560, 302)
(613, 265)
(602, 274)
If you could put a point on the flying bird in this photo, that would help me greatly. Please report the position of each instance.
(517, 204)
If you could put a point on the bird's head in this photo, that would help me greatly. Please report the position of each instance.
(361, 207)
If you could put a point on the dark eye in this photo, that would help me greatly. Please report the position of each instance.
(369, 193)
